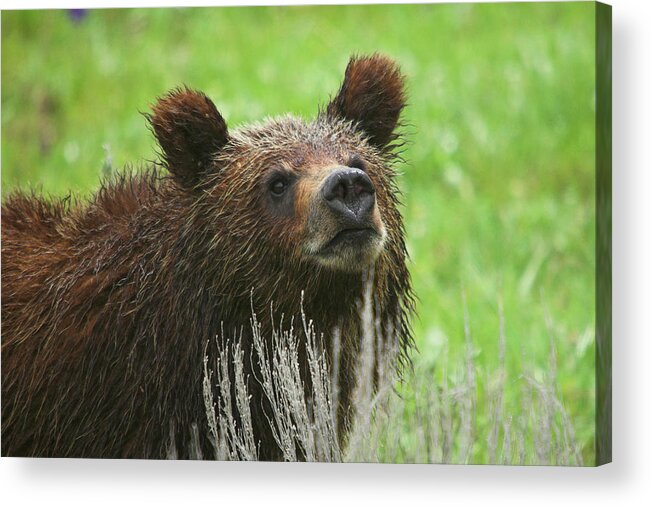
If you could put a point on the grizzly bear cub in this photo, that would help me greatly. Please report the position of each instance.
(107, 305)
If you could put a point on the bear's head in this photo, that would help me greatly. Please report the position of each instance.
(317, 193)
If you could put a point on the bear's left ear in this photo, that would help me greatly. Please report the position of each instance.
(372, 96)
(190, 131)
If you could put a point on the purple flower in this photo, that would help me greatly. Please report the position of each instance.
(77, 15)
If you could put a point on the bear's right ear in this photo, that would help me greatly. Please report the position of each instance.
(190, 131)
(372, 96)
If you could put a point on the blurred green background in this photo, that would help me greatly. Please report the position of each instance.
(499, 181)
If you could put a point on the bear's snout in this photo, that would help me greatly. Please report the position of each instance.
(350, 194)
(344, 229)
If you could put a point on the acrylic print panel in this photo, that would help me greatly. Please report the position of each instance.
(409, 262)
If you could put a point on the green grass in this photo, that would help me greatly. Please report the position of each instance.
(499, 185)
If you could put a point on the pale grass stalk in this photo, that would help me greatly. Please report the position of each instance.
(438, 412)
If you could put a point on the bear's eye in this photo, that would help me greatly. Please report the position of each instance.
(278, 186)
(356, 162)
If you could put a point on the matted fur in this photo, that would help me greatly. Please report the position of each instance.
(107, 305)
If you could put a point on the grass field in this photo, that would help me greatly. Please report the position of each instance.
(498, 185)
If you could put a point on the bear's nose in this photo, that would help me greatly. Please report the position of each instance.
(349, 192)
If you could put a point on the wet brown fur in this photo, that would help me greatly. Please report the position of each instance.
(107, 305)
